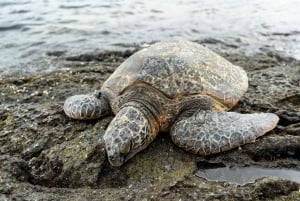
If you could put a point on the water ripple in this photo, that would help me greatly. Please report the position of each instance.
(74, 6)
(12, 3)
(11, 27)
(19, 11)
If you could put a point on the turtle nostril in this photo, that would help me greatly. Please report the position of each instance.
(97, 94)
(116, 160)
(112, 158)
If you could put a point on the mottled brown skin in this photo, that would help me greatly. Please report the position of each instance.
(142, 111)
(87, 106)
(176, 86)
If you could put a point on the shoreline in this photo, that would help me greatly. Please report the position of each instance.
(62, 60)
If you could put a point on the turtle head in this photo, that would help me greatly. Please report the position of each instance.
(87, 106)
(130, 132)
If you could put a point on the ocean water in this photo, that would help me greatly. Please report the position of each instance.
(31, 28)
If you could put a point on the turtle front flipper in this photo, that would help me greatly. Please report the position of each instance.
(207, 132)
(131, 131)
(87, 106)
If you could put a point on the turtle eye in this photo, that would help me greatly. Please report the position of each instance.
(97, 94)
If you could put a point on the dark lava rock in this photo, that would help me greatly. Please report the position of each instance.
(46, 156)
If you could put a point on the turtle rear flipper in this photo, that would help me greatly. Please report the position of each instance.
(207, 132)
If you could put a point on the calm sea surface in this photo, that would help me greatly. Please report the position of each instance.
(31, 28)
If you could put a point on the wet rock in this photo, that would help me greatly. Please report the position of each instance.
(56, 53)
(272, 189)
(274, 90)
(109, 56)
(293, 129)
(46, 156)
(73, 163)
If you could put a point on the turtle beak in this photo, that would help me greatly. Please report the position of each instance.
(116, 161)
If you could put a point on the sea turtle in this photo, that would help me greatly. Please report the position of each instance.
(176, 86)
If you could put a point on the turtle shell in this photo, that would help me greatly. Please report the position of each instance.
(181, 68)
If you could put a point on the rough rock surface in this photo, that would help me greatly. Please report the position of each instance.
(46, 156)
